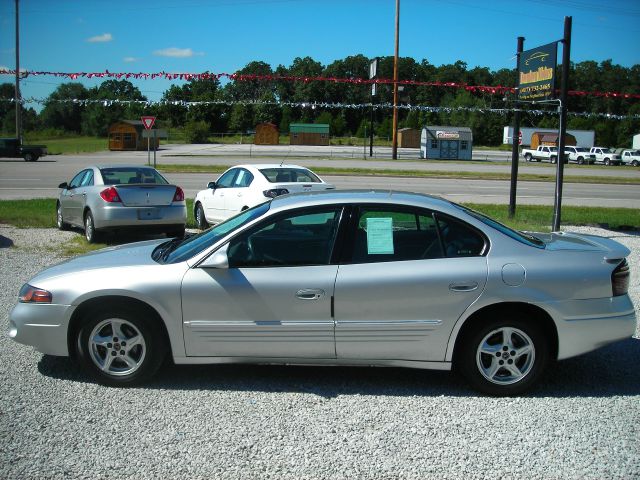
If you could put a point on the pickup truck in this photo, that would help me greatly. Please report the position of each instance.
(580, 155)
(631, 157)
(606, 156)
(543, 153)
(11, 148)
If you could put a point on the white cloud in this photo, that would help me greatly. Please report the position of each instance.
(105, 37)
(130, 59)
(177, 52)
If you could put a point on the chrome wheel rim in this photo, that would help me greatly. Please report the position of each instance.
(59, 216)
(505, 356)
(88, 228)
(117, 347)
(199, 217)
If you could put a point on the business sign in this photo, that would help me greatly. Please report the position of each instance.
(537, 73)
(445, 135)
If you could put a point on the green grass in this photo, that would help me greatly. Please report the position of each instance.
(322, 170)
(64, 145)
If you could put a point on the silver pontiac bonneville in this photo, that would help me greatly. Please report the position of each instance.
(341, 278)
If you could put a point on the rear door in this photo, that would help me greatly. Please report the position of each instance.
(411, 275)
(239, 195)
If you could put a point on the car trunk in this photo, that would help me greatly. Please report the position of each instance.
(297, 187)
(146, 195)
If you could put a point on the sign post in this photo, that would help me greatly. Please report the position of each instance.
(515, 151)
(147, 122)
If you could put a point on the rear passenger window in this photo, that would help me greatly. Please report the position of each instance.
(459, 239)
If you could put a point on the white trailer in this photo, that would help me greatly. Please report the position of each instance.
(584, 138)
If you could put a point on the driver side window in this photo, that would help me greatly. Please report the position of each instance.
(226, 180)
(305, 238)
(77, 180)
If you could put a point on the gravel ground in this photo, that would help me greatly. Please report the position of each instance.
(308, 422)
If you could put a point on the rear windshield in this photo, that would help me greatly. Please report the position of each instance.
(289, 175)
(124, 175)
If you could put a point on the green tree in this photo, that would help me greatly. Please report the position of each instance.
(61, 112)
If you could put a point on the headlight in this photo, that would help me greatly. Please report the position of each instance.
(30, 294)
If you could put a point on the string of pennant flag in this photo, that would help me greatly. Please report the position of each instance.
(312, 105)
(494, 90)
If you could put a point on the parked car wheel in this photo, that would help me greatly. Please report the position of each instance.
(527, 157)
(504, 357)
(607, 162)
(635, 163)
(201, 221)
(62, 225)
(119, 347)
(554, 159)
(30, 157)
(580, 161)
(89, 228)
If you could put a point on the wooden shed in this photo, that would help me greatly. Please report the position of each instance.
(550, 139)
(409, 138)
(266, 134)
(127, 135)
(309, 134)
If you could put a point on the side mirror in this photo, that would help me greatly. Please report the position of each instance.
(211, 185)
(218, 260)
(64, 185)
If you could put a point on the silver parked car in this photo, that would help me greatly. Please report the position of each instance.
(101, 198)
(343, 277)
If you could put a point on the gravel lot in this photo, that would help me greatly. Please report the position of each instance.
(308, 422)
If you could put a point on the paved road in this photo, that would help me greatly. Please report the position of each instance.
(19, 179)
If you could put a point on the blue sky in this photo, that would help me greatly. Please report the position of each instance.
(224, 35)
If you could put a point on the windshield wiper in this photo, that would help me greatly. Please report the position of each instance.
(163, 250)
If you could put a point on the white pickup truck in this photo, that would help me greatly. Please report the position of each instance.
(580, 155)
(606, 156)
(543, 153)
(631, 157)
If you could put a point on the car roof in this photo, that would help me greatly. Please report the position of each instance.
(392, 197)
(260, 166)
(101, 166)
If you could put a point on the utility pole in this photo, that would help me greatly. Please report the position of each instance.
(17, 91)
(394, 147)
(566, 60)
(515, 150)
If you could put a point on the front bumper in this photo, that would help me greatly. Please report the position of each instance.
(42, 326)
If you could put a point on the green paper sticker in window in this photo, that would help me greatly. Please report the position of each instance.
(379, 236)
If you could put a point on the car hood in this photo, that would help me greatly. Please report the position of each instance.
(133, 254)
(583, 242)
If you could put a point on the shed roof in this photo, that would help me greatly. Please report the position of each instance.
(309, 128)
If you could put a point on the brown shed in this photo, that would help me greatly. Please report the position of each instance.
(408, 138)
(309, 134)
(127, 135)
(550, 139)
(266, 134)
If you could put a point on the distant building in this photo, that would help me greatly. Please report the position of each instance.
(127, 135)
(446, 143)
(266, 134)
(408, 138)
(636, 142)
(309, 134)
(584, 138)
(550, 139)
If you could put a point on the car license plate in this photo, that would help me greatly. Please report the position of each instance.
(148, 213)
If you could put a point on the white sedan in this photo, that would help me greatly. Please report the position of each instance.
(245, 186)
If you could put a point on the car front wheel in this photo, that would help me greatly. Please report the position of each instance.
(201, 221)
(504, 357)
(119, 347)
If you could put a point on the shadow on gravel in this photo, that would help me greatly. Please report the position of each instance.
(610, 371)
(5, 242)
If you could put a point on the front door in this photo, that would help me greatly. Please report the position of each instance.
(215, 199)
(72, 198)
(411, 276)
(449, 149)
(274, 300)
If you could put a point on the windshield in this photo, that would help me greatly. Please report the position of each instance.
(170, 252)
(521, 237)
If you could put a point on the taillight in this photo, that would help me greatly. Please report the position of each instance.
(620, 279)
(110, 195)
(274, 192)
(29, 294)
(179, 195)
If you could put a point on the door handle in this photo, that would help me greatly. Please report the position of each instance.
(463, 287)
(310, 294)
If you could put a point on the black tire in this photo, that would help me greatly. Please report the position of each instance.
(500, 367)
(554, 159)
(580, 161)
(62, 225)
(29, 157)
(201, 221)
(90, 232)
(120, 347)
(527, 157)
(607, 162)
(635, 163)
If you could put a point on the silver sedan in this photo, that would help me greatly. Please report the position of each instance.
(101, 198)
(348, 278)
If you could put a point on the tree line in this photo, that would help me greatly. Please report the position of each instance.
(456, 106)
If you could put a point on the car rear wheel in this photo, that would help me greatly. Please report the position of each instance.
(635, 163)
(504, 357)
(90, 232)
(527, 157)
(62, 225)
(119, 347)
(30, 157)
(201, 221)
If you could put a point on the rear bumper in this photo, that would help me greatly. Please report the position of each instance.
(586, 325)
(140, 217)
